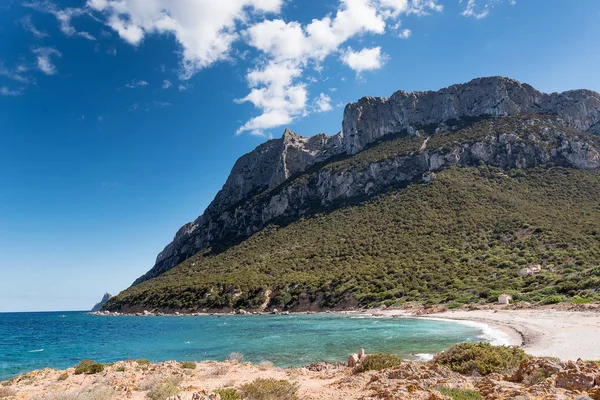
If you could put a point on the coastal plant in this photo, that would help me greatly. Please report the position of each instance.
(6, 392)
(270, 389)
(63, 377)
(552, 300)
(120, 368)
(460, 394)
(89, 367)
(188, 365)
(235, 357)
(143, 362)
(228, 394)
(377, 362)
(162, 390)
(481, 358)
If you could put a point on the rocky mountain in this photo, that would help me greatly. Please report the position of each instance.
(263, 188)
(99, 305)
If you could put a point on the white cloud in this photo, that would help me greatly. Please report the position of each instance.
(16, 74)
(473, 10)
(136, 84)
(44, 59)
(64, 17)
(30, 27)
(204, 29)
(283, 50)
(364, 60)
(166, 84)
(323, 103)
(5, 91)
(405, 34)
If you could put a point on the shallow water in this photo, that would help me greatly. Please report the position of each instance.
(31, 341)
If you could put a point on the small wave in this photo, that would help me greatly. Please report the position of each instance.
(488, 333)
(36, 351)
(424, 357)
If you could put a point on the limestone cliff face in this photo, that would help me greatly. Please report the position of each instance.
(236, 212)
(370, 118)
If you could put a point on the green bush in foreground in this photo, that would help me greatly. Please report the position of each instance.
(270, 389)
(89, 367)
(481, 358)
(377, 362)
(188, 365)
(228, 394)
(143, 362)
(461, 394)
(63, 377)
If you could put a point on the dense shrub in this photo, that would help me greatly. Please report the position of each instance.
(143, 362)
(228, 394)
(89, 367)
(269, 389)
(481, 358)
(377, 362)
(63, 377)
(188, 365)
(461, 394)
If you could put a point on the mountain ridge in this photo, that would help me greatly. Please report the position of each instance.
(364, 123)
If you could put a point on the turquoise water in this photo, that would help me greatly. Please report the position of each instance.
(31, 341)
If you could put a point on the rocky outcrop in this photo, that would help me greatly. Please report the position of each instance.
(98, 306)
(371, 118)
(238, 210)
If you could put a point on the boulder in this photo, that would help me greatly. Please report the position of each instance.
(352, 360)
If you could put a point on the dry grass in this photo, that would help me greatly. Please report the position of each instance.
(87, 394)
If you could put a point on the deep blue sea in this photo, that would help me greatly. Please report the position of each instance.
(31, 341)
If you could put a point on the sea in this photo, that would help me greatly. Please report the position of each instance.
(30, 341)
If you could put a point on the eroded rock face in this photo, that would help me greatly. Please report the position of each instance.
(235, 213)
(99, 305)
(371, 118)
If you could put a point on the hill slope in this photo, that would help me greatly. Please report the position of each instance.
(447, 217)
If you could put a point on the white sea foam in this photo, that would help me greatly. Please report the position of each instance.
(36, 351)
(488, 333)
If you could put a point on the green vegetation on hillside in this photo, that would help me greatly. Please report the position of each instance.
(460, 239)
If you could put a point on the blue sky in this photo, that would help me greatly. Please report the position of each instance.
(120, 120)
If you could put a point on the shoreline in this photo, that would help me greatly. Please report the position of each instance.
(566, 332)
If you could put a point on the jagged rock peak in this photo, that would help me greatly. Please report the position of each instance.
(99, 305)
(371, 118)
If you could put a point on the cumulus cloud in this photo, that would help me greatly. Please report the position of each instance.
(323, 103)
(282, 50)
(28, 25)
(290, 48)
(44, 59)
(204, 29)
(364, 60)
(405, 34)
(64, 17)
